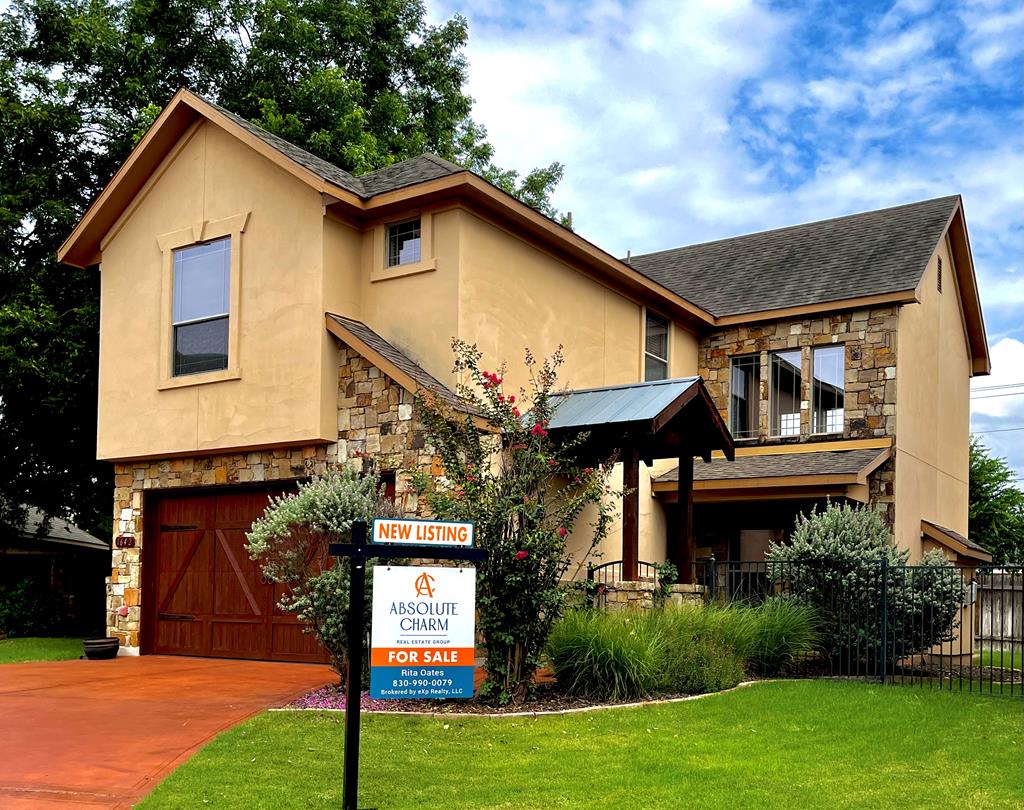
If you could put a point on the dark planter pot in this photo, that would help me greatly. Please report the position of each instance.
(100, 649)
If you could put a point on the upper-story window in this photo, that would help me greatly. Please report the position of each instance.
(784, 393)
(201, 306)
(827, 389)
(655, 348)
(403, 244)
(744, 396)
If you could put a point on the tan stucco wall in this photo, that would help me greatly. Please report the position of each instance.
(280, 394)
(417, 312)
(514, 295)
(932, 410)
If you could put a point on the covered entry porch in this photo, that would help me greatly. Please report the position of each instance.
(644, 422)
(742, 506)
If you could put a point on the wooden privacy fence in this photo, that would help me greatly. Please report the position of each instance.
(999, 616)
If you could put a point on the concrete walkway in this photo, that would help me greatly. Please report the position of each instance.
(103, 733)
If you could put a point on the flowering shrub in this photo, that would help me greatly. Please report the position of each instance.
(525, 493)
(833, 562)
(290, 542)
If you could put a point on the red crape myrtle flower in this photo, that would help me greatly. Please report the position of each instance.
(522, 555)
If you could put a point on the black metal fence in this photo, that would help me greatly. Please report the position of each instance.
(942, 627)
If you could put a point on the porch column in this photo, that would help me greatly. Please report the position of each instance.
(687, 552)
(630, 513)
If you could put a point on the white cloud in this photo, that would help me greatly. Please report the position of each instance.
(991, 396)
(687, 121)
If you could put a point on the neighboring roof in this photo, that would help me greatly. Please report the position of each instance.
(955, 541)
(59, 532)
(391, 360)
(654, 417)
(884, 251)
(851, 464)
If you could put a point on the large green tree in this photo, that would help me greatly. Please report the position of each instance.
(996, 517)
(361, 83)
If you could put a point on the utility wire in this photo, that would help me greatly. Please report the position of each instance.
(996, 396)
(998, 430)
(994, 387)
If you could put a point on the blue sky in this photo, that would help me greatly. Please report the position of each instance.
(681, 122)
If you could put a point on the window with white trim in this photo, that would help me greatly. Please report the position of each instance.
(655, 348)
(784, 393)
(744, 396)
(200, 307)
(404, 243)
(828, 374)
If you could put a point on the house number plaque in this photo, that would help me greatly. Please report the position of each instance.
(124, 541)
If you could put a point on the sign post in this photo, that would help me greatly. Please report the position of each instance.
(407, 539)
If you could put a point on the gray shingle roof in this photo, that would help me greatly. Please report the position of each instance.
(409, 172)
(423, 378)
(862, 254)
(957, 536)
(825, 462)
(60, 531)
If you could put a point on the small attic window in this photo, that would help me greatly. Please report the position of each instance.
(403, 244)
(938, 277)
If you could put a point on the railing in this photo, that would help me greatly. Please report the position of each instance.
(609, 572)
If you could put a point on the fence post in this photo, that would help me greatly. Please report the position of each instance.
(712, 577)
(884, 659)
(591, 591)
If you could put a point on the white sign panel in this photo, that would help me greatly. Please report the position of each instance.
(422, 532)
(423, 632)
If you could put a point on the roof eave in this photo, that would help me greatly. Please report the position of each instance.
(967, 281)
(82, 246)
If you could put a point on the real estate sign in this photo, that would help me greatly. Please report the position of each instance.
(422, 532)
(423, 632)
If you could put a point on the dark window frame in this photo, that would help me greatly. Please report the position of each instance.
(396, 237)
(780, 425)
(738, 362)
(840, 397)
(182, 327)
(649, 356)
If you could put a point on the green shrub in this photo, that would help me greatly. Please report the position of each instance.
(834, 563)
(30, 609)
(290, 540)
(607, 656)
(694, 665)
(676, 649)
(784, 629)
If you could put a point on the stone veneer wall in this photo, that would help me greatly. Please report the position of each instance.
(869, 336)
(377, 426)
(870, 339)
(639, 595)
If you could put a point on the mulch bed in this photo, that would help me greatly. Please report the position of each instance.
(547, 698)
(993, 675)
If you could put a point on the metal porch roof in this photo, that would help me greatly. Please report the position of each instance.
(617, 404)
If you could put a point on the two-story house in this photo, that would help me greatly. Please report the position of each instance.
(265, 315)
(841, 359)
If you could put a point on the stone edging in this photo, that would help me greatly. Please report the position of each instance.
(541, 713)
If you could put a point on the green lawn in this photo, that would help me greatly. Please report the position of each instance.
(21, 650)
(775, 745)
(997, 658)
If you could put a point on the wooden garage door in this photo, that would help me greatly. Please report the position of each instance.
(207, 597)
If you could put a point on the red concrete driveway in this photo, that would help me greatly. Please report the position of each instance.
(103, 733)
